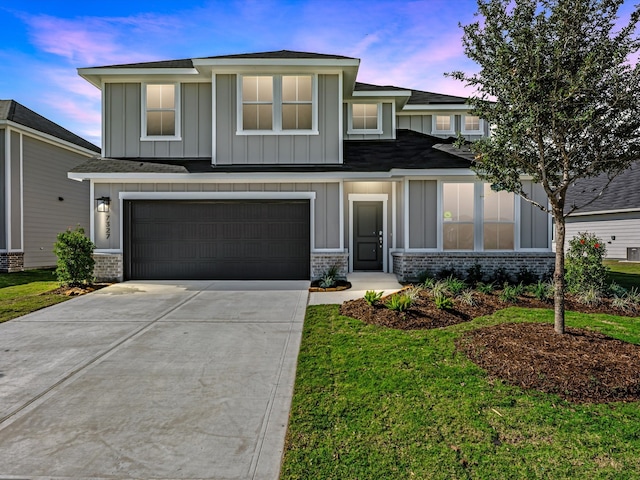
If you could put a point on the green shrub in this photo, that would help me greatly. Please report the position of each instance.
(526, 276)
(440, 288)
(485, 288)
(510, 293)
(398, 302)
(584, 267)
(500, 276)
(75, 257)
(371, 296)
(446, 273)
(617, 290)
(443, 302)
(474, 274)
(542, 290)
(427, 283)
(590, 296)
(467, 298)
(455, 285)
(327, 281)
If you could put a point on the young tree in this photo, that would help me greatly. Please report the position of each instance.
(558, 87)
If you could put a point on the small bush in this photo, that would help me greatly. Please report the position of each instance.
(485, 288)
(424, 276)
(75, 257)
(474, 274)
(617, 290)
(467, 298)
(590, 296)
(413, 293)
(455, 285)
(327, 281)
(371, 297)
(633, 295)
(427, 283)
(440, 288)
(510, 293)
(542, 290)
(526, 276)
(500, 276)
(443, 302)
(398, 302)
(584, 267)
(446, 273)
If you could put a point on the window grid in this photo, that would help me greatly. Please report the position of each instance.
(160, 114)
(364, 116)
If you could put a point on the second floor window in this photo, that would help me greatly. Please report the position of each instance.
(472, 124)
(365, 116)
(443, 124)
(160, 116)
(277, 104)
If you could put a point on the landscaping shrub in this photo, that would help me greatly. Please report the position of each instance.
(443, 302)
(542, 290)
(455, 285)
(500, 276)
(485, 288)
(371, 296)
(526, 276)
(474, 274)
(584, 267)
(398, 302)
(75, 257)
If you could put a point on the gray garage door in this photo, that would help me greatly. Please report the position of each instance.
(217, 239)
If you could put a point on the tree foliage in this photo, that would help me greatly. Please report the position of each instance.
(75, 257)
(559, 88)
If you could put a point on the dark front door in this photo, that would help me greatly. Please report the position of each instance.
(217, 239)
(367, 233)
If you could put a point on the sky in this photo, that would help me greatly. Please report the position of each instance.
(408, 44)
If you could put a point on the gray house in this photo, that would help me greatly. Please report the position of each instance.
(37, 198)
(614, 216)
(279, 165)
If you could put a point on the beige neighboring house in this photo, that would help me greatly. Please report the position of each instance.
(37, 200)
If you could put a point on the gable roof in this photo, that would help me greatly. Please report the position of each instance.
(15, 112)
(418, 97)
(623, 193)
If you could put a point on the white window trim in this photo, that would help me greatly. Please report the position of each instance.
(371, 131)
(515, 222)
(464, 131)
(477, 236)
(177, 107)
(277, 107)
(434, 124)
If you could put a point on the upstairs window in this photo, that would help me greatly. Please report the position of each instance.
(365, 118)
(472, 124)
(443, 124)
(160, 116)
(274, 104)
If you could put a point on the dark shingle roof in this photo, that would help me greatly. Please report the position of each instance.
(181, 63)
(418, 97)
(410, 150)
(622, 193)
(15, 112)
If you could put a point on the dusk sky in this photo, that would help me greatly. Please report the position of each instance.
(402, 43)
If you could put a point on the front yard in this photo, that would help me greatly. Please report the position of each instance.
(25, 292)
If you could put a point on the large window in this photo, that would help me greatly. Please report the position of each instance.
(365, 118)
(499, 219)
(458, 216)
(160, 118)
(277, 103)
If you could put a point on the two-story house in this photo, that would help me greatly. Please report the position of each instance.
(278, 165)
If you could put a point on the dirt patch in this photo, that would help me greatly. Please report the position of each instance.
(581, 366)
(78, 290)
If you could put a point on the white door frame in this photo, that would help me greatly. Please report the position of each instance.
(369, 197)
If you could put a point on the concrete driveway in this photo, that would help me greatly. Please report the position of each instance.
(159, 380)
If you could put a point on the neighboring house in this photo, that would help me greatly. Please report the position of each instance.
(614, 216)
(37, 199)
(279, 165)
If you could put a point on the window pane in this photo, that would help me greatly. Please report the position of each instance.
(161, 123)
(364, 116)
(296, 117)
(458, 236)
(443, 122)
(265, 117)
(498, 236)
(250, 117)
(498, 206)
(257, 89)
(358, 123)
(371, 123)
(371, 110)
(358, 110)
(471, 122)
(296, 88)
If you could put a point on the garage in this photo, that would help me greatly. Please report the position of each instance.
(217, 239)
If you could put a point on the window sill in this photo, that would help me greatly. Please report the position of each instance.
(161, 138)
(443, 132)
(277, 132)
(364, 132)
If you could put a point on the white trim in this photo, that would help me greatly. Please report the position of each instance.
(46, 138)
(434, 125)
(517, 226)
(370, 197)
(7, 186)
(464, 131)
(603, 212)
(214, 120)
(177, 107)
(108, 250)
(340, 119)
(381, 93)
(406, 213)
(21, 164)
(92, 218)
(438, 107)
(217, 196)
(275, 62)
(103, 118)
(364, 131)
(341, 212)
(393, 214)
(393, 121)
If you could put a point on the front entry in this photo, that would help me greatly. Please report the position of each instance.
(367, 235)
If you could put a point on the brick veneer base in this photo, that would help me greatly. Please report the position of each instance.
(108, 267)
(321, 262)
(409, 266)
(11, 262)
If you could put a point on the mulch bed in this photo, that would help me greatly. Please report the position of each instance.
(78, 290)
(581, 366)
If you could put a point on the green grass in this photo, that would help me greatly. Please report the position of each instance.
(373, 403)
(623, 273)
(23, 292)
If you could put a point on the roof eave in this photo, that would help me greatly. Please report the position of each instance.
(95, 76)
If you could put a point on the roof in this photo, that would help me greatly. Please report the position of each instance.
(410, 150)
(15, 112)
(188, 62)
(623, 193)
(418, 97)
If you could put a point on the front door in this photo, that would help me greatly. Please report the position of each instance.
(367, 235)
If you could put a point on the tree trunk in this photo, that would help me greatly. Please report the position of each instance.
(558, 274)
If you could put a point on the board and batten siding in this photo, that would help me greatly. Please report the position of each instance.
(624, 226)
(15, 191)
(45, 168)
(534, 223)
(123, 118)
(387, 124)
(423, 124)
(3, 193)
(423, 214)
(234, 149)
(326, 214)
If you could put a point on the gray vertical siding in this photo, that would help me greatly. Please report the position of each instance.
(423, 220)
(534, 223)
(625, 227)
(326, 214)
(3, 192)
(277, 149)
(45, 180)
(123, 115)
(16, 193)
(387, 125)
(423, 124)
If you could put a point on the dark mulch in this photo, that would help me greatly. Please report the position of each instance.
(77, 290)
(581, 366)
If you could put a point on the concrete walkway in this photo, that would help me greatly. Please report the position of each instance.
(152, 380)
(360, 283)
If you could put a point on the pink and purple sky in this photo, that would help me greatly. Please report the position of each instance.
(403, 43)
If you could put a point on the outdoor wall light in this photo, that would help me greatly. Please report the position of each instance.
(102, 204)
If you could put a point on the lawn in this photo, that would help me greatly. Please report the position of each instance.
(624, 273)
(24, 292)
(372, 402)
